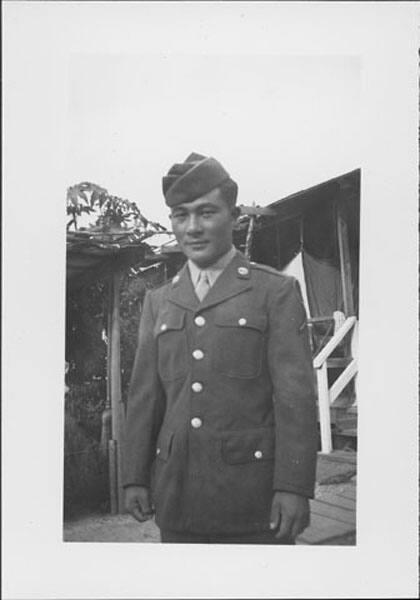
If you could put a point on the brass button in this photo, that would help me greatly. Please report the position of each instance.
(163, 327)
(198, 354)
(242, 321)
(200, 321)
(197, 386)
(258, 454)
(243, 271)
(157, 451)
(196, 423)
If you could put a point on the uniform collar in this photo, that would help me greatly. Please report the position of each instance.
(214, 270)
(234, 280)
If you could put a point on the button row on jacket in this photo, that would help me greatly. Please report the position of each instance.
(197, 386)
(200, 321)
(196, 422)
(198, 354)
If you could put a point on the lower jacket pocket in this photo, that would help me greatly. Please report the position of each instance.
(241, 447)
(164, 445)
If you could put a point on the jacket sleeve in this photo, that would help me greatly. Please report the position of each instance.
(145, 405)
(293, 378)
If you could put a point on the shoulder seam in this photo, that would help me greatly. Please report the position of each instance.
(160, 286)
(267, 269)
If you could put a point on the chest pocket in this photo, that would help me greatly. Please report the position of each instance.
(172, 345)
(239, 345)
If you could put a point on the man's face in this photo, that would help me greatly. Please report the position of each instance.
(203, 228)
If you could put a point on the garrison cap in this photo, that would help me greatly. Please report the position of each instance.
(193, 178)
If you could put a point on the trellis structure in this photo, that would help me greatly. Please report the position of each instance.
(93, 255)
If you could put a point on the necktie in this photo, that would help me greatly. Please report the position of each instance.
(203, 285)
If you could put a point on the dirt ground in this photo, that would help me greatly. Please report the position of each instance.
(332, 477)
(96, 527)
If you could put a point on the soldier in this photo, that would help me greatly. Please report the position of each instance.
(221, 433)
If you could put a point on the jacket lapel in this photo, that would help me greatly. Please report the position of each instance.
(234, 280)
(182, 291)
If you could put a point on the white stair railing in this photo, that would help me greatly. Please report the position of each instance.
(326, 396)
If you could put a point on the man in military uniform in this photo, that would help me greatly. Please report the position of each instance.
(221, 421)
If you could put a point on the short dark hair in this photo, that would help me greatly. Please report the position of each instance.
(229, 192)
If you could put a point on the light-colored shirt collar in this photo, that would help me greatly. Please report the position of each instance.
(214, 270)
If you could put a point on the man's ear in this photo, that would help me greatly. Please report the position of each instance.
(236, 211)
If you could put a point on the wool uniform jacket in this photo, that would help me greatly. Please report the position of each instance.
(221, 410)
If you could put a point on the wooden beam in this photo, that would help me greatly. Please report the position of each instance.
(334, 341)
(341, 381)
(113, 476)
(345, 263)
(249, 236)
(320, 319)
(324, 409)
(107, 414)
(117, 407)
(253, 211)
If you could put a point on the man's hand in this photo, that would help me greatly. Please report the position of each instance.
(291, 512)
(137, 502)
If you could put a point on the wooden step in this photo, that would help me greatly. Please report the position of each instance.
(346, 422)
(343, 402)
(338, 363)
(346, 502)
(350, 432)
(343, 414)
(340, 456)
(332, 515)
(346, 438)
(333, 511)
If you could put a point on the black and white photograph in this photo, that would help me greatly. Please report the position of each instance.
(218, 413)
(212, 216)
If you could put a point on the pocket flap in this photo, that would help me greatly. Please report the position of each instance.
(169, 322)
(254, 321)
(245, 447)
(164, 444)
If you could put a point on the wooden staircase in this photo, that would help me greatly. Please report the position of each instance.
(343, 408)
(336, 369)
(344, 423)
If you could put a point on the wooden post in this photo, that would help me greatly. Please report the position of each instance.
(355, 353)
(113, 476)
(249, 235)
(106, 434)
(117, 408)
(324, 409)
(345, 264)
